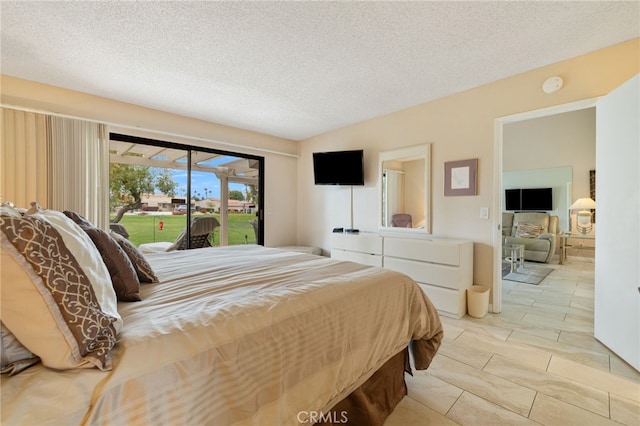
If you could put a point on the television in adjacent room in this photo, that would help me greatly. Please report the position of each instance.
(512, 199)
(339, 167)
(529, 199)
(536, 199)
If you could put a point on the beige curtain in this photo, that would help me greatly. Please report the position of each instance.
(80, 168)
(24, 153)
(61, 163)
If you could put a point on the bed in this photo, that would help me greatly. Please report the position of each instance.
(242, 335)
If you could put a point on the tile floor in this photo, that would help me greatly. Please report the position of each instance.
(537, 362)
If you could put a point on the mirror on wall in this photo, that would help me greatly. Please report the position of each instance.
(404, 190)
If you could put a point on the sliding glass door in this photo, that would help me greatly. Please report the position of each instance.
(227, 186)
(169, 195)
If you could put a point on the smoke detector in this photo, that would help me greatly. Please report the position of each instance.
(552, 84)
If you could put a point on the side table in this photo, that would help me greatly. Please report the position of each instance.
(515, 255)
(579, 239)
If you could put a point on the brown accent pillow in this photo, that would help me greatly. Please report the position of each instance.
(528, 230)
(123, 274)
(142, 267)
(48, 302)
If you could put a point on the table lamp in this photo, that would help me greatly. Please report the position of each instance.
(583, 217)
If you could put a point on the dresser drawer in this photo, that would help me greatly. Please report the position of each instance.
(362, 243)
(427, 273)
(352, 256)
(448, 302)
(434, 251)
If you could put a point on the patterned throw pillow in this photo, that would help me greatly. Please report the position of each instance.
(85, 252)
(48, 302)
(528, 230)
(142, 267)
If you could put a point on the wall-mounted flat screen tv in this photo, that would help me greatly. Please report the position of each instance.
(339, 167)
(512, 199)
(538, 199)
(529, 199)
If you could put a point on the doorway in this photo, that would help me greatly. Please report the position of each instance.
(499, 125)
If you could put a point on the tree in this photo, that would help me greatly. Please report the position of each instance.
(127, 184)
(251, 194)
(165, 183)
(234, 194)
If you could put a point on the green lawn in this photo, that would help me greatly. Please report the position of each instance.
(146, 228)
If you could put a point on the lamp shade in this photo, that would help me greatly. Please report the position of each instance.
(583, 204)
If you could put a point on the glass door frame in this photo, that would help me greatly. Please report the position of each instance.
(189, 149)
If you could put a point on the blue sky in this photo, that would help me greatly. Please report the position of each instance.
(200, 181)
(203, 185)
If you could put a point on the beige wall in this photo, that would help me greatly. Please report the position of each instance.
(460, 127)
(567, 139)
(280, 169)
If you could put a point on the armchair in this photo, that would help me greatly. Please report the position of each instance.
(202, 228)
(401, 220)
(537, 231)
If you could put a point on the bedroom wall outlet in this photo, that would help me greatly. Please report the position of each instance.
(484, 212)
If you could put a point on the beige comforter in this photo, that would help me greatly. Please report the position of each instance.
(237, 335)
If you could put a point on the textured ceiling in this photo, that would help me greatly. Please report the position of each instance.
(296, 69)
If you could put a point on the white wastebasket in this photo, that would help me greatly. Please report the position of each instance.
(478, 300)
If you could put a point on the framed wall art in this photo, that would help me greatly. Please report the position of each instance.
(460, 177)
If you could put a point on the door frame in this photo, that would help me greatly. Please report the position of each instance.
(497, 179)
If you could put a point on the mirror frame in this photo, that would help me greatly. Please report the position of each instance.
(416, 151)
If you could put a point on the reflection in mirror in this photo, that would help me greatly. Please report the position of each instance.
(401, 179)
(404, 189)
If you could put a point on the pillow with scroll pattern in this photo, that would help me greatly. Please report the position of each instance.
(48, 302)
(85, 252)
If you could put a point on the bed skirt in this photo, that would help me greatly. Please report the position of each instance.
(372, 402)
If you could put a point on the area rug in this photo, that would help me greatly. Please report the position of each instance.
(529, 274)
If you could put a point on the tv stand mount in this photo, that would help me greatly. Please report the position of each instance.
(351, 229)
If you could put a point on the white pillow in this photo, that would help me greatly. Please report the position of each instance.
(89, 258)
(9, 211)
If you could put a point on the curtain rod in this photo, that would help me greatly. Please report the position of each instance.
(157, 132)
